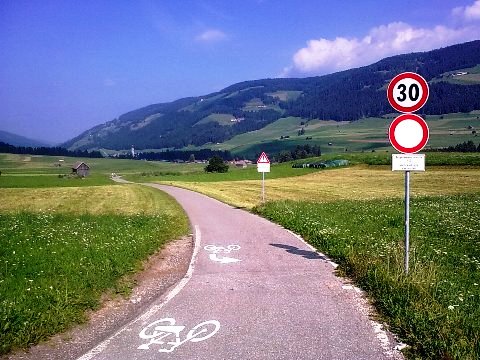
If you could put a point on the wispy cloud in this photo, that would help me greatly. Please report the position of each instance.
(468, 13)
(322, 56)
(211, 36)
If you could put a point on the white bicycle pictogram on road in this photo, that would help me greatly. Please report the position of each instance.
(165, 333)
(219, 249)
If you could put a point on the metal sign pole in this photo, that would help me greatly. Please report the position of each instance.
(407, 219)
(263, 187)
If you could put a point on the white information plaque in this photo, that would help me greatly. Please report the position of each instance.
(408, 162)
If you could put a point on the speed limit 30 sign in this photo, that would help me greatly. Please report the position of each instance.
(407, 92)
(408, 134)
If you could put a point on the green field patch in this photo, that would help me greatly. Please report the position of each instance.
(145, 122)
(363, 135)
(48, 180)
(222, 119)
(62, 248)
(202, 102)
(283, 127)
(233, 174)
(435, 308)
(445, 174)
(112, 199)
(469, 76)
(286, 95)
(257, 104)
(20, 171)
(53, 267)
(235, 93)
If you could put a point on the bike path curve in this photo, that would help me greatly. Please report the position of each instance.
(268, 297)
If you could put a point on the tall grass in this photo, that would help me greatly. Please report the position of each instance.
(55, 266)
(435, 309)
(49, 180)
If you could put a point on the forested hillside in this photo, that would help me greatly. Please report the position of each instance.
(250, 105)
(18, 140)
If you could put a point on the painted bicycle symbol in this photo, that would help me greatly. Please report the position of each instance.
(165, 333)
(218, 249)
(214, 250)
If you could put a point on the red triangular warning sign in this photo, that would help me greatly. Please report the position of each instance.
(263, 159)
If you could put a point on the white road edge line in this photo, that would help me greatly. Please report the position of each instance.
(378, 328)
(335, 265)
(175, 291)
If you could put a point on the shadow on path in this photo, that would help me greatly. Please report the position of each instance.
(307, 254)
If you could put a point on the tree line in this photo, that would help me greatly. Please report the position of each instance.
(299, 152)
(175, 155)
(465, 147)
(50, 151)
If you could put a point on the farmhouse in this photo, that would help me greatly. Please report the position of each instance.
(81, 169)
(240, 164)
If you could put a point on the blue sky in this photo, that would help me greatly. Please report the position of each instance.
(66, 66)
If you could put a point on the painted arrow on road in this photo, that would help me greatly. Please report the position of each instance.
(223, 259)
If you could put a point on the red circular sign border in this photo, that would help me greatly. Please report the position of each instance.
(397, 121)
(423, 84)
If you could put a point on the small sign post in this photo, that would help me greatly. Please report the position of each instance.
(408, 134)
(263, 166)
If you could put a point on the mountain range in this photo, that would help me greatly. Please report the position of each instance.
(17, 140)
(452, 73)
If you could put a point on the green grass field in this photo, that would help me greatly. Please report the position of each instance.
(20, 171)
(363, 135)
(198, 174)
(353, 214)
(55, 266)
(222, 119)
(435, 308)
(65, 242)
(472, 76)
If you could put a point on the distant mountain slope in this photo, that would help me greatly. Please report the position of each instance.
(18, 140)
(251, 105)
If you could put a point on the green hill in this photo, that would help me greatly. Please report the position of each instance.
(219, 119)
(17, 140)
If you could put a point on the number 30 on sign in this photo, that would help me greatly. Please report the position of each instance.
(407, 92)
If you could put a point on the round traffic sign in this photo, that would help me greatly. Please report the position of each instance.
(408, 133)
(407, 92)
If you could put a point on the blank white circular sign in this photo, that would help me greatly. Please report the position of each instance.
(409, 133)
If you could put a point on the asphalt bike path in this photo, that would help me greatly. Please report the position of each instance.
(253, 291)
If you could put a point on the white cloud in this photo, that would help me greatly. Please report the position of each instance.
(322, 56)
(469, 13)
(210, 36)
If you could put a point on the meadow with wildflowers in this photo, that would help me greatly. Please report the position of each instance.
(55, 263)
(435, 309)
(63, 244)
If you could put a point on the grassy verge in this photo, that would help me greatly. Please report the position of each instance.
(54, 266)
(357, 182)
(112, 199)
(194, 172)
(48, 181)
(233, 174)
(435, 308)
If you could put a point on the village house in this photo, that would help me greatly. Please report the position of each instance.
(81, 169)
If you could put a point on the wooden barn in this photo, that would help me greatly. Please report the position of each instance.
(81, 169)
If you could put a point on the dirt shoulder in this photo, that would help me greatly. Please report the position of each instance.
(161, 272)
